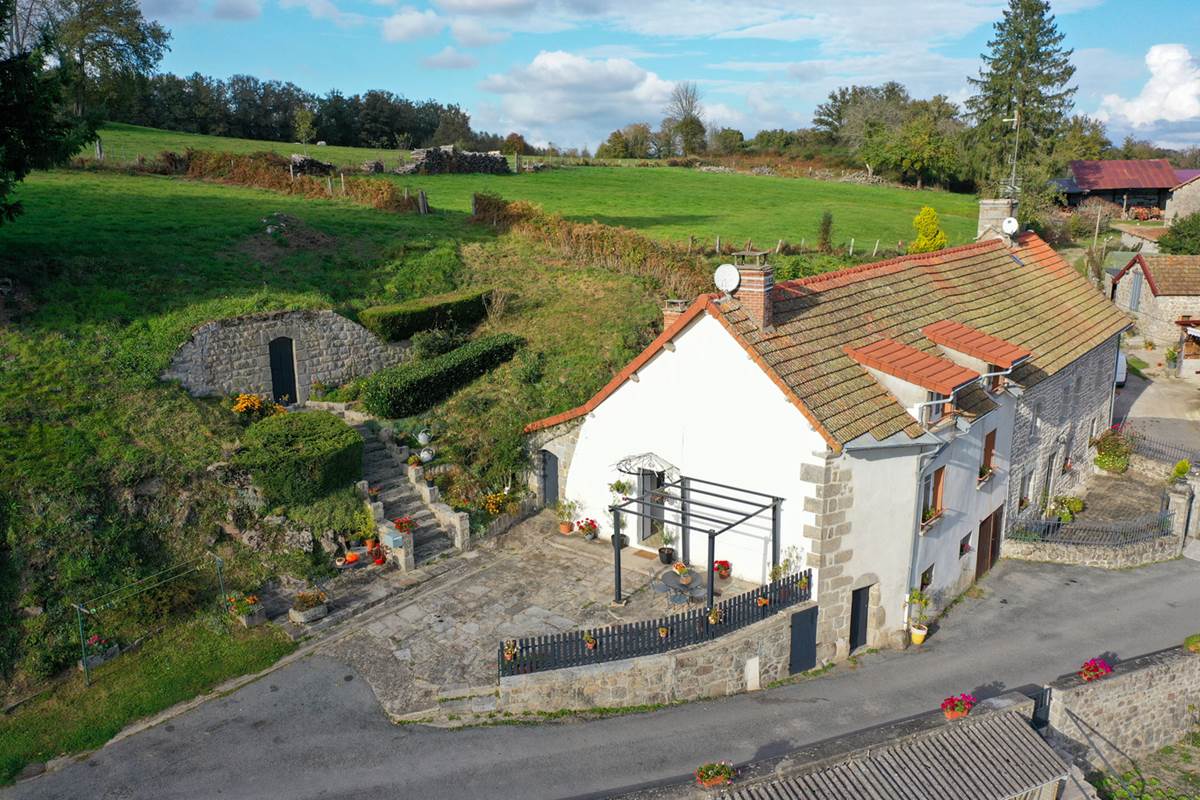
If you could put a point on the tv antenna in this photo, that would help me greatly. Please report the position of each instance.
(1015, 120)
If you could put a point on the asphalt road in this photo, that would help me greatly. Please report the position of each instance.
(313, 729)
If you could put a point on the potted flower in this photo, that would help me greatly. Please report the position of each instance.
(714, 616)
(918, 604)
(723, 569)
(97, 650)
(663, 631)
(762, 601)
(589, 641)
(403, 524)
(510, 650)
(247, 609)
(715, 773)
(620, 488)
(588, 527)
(1094, 669)
(308, 607)
(414, 460)
(373, 492)
(956, 706)
(666, 553)
(566, 513)
(685, 574)
(1192, 643)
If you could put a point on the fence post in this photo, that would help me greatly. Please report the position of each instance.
(221, 582)
(87, 673)
(616, 543)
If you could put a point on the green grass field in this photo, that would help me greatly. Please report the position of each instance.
(124, 143)
(665, 202)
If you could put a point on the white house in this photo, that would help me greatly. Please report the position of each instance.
(877, 402)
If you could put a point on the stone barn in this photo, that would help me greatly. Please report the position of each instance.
(279, 354)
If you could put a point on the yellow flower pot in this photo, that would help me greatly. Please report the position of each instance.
(918, 633)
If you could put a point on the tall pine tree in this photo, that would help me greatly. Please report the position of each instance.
(1028, 69)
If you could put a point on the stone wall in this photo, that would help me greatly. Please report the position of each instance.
(1156, 314)
(1183, 201)
(1058, 417)
(559, 440)
(1137, 710)
(745, 660)
(230, 356)
(448, 158)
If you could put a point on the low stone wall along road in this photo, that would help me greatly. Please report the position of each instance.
(314, 729)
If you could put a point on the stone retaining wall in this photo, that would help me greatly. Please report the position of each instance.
(232, 355)
(1137, 710)
(1162, 548)
(745, 660)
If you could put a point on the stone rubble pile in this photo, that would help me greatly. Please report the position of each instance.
(711, 168)
(306, 165)
(372, 167)
(448, 158)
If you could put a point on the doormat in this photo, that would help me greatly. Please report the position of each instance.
(645, 554)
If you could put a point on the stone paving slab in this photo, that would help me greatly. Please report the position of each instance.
(531, 582)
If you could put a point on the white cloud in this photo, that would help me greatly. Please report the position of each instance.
(487, 6)
(408, 24)
(573, 99)
(237, 9)
(473, 33)
(449, 58)
(325, 10)
(1172, 94)
(169, 9)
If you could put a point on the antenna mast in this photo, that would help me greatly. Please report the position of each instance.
(1015, 119)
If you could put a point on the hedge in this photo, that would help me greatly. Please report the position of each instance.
(299, 457)
(402, 320)
(416, 386)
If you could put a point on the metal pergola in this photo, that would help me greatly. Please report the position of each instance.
(695, 503)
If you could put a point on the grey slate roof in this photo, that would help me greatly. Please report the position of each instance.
(995, 757)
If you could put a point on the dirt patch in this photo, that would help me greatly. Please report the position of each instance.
(282, 235)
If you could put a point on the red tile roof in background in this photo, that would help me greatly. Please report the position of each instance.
(975, 343)
(1156, 173)
(932, 372)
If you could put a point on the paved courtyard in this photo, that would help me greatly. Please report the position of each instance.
(1167, 409)
(441, 645)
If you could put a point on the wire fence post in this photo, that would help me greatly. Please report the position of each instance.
(221, 581)
(83, 659)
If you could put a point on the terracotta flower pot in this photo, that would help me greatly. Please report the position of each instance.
(564, 528)
(685, 580)
(709, 783)
(952, 714)
(723, 574)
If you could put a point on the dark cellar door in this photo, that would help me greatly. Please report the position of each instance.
(283, 370)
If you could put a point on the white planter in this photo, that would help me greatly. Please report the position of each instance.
(423, 438)
(427, 455)
(311, 615)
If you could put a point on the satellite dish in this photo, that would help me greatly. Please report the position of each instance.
(727, 278)
(1009, 225)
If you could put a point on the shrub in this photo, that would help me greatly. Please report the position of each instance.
(297, 458)
(415, 387)
(1112, 451)
(1183, 238)
(402, 320)
(825, 233)
(306, 601)
(1192, 643)
(436, 341)
(1182, 468)
(930, 236)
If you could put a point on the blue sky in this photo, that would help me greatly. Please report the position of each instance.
(569, 71)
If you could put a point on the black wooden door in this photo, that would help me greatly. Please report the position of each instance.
(858, 617)
(804, 641)
(283, 370)
(997, 530)
(550, 478)
(983, 548)
(652, 522)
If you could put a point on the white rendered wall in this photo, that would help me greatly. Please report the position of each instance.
(712, 412)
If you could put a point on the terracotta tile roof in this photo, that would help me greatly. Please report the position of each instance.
(926, 370)
(1177, 276)
(965, 339)
(1149, 232)
(1027, 296)
(1150, 173)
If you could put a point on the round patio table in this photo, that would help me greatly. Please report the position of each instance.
(696, 590)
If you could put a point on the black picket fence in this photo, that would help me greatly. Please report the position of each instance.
(1082, 532)
(562, 650)
(1157, 449)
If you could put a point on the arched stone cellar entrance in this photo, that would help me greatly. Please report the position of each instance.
(283, 370)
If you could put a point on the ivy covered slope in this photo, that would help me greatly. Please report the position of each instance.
(104, 467)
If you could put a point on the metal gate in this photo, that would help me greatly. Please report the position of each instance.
(804, 641)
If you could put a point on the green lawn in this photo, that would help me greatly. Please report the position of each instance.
(124, 143)
(177, 665)
(664, 202)
(675, 203)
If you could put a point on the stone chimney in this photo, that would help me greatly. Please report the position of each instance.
(992, 214)
(672, 311)
(755, 292)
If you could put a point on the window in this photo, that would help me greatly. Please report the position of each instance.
(1026, 488)
(1035, 421)
(964, 545)
(1135, 291)
(989, 449)
(1092, 430)
(996, 382)
(931, 495)
(927, 578)
(935, 410)
(1066, 459)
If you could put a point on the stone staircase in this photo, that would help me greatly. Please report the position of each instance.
(400, 499)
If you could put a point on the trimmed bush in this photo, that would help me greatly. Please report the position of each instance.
(299, 457)
(416, 386)
(402, 320)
